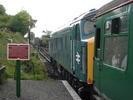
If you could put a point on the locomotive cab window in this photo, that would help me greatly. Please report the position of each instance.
(115, 26)
(87, 28)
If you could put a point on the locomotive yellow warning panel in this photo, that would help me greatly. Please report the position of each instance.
(90, 55)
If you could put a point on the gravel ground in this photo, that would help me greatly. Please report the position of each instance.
(35, 90)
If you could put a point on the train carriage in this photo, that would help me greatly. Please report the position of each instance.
(113, 66)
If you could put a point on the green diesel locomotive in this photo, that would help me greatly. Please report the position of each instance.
(69, 50)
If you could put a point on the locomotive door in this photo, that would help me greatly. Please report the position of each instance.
(97, 59)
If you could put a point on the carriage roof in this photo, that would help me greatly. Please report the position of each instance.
(112, 6)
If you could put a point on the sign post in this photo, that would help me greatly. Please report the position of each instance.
(18, 78)
(18, 52)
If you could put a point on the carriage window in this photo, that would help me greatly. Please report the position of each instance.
(124, 23)
(116, 52)
(117, 25)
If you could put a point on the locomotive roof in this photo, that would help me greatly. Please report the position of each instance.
(86, 15)
(111, 6)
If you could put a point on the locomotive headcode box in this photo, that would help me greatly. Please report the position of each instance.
(18, 51)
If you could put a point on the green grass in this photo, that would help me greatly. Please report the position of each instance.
(37, 72)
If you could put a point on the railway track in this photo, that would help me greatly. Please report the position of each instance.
(52, 72)
(44, 53)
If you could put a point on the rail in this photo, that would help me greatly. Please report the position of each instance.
(44, 53)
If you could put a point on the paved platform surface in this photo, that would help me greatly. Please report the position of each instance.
(35, 90)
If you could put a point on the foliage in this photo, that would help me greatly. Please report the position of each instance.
(44, 41)
(2, 10)
(32, 37)
(45, 38)
(32, 23)
(34, 68)
(5, 38)
(5, 21)
(37, 42)
(27, 66)
(21, 22)
(47, 32)
(4, 18)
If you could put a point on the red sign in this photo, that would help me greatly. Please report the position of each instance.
(18, 51)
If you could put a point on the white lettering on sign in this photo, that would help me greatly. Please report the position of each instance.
(77, 57)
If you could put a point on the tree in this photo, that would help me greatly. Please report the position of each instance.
(37, 42)
(44, 40)
(22, 22)
(32, 23)
(5, 21)
(32, 37)
(2, 10)
(4, 18)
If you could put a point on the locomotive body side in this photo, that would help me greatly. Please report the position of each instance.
(60, 48)
(68, 46)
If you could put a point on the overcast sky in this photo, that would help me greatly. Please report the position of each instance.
(51, 14)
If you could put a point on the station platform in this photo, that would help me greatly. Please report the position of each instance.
(38, 90)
